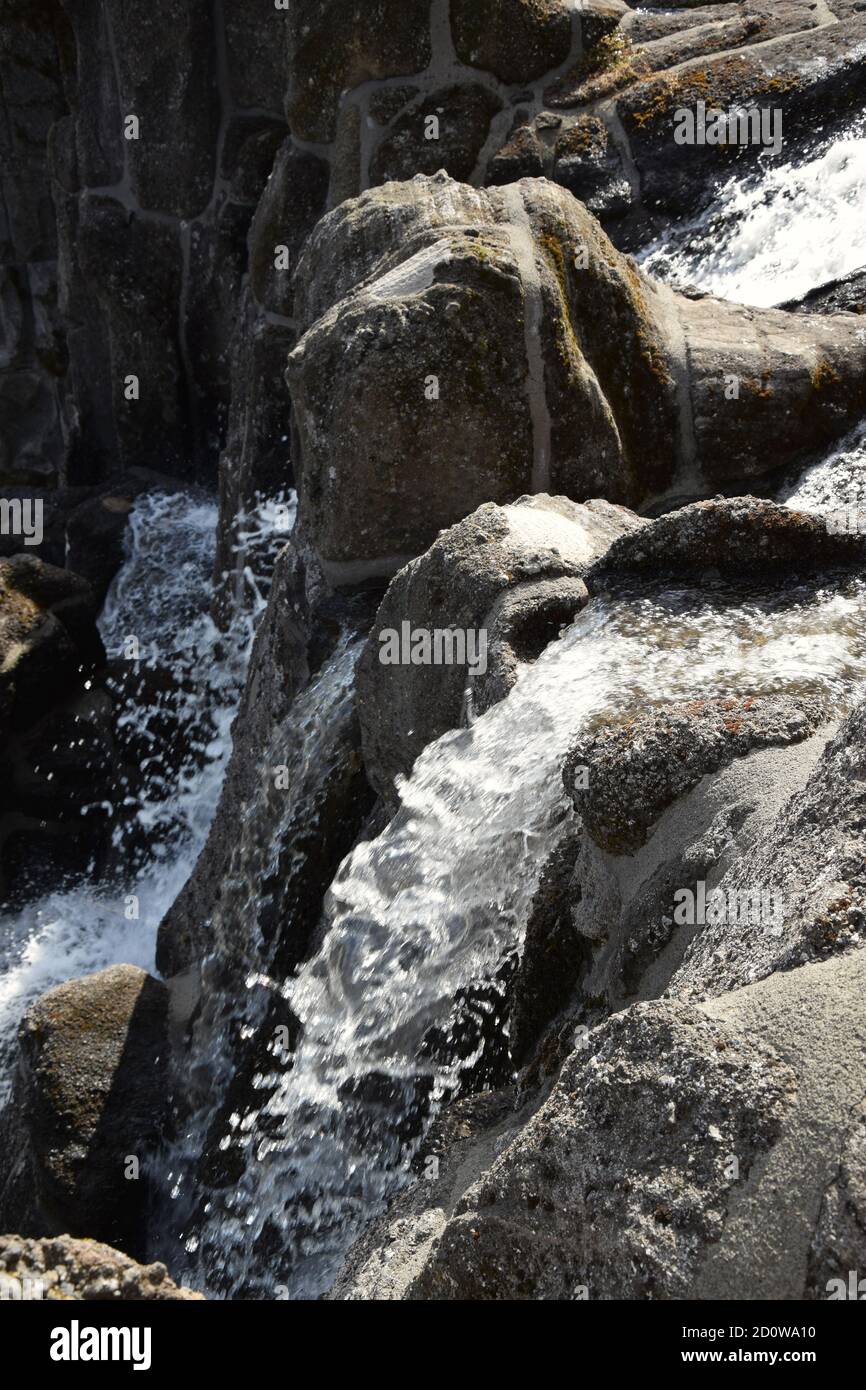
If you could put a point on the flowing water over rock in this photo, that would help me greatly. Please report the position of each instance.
(180, 700)
(439, 900)
(776, 234)
(835, 487)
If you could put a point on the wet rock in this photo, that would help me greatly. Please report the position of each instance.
(587, 163)
(634, 771)
(96, 528)
(256, 462)
(295, 831)
(811, 78)
(63, 1268)
(279, 669)
(682, 1153)
(513, 574)
(666, 800)
(810, 858)
(388, 1253)
(83, 528)
(88, 1106)
(730, 537)
(618, 1183)
(845, 296)
(553, 956)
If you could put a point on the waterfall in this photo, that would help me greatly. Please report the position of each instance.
(161, 597)
(775, 234)
(439, 900)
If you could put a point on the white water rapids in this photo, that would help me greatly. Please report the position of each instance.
(775, 234)
(161, 597)
(439, 900)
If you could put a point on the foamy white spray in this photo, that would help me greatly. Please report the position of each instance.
(776, 234)
(439, 900)
(162, 598)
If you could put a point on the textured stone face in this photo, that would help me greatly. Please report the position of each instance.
(517, 40)
(463, 116)
(82, 1270)
(514, 573)
(473, 356)
(618, 1184)
(812, 854)
(91, 1081)
(338, 44)
(466, 346)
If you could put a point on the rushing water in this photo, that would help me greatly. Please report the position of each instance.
(836, 485)
(184, 686)
(775, 234)
(420, 915)
(440, 898)
(323, 1133)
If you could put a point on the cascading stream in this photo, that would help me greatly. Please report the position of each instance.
(440, 898)
(776, 234)
(161, 598)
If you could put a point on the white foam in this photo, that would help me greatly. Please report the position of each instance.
(773, 237)
(161, 596)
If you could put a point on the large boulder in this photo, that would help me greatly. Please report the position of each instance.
(684, 1152)
(88, 1107)
(462, 346)
(512, 577)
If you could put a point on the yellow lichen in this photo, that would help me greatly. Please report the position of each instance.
(823, 375)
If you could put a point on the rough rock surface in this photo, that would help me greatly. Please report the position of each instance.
(616, 1185)
(458, 350)
(837, 1245)
(64, 1268)
(125, 248)
(633, 777)
(513, 573)
(90, 1092)
(811, 857)
(731, 537)
(684, 1152)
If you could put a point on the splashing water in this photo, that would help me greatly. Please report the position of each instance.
(161, 598)
(440, 899)
(776, 234)
(835, 486)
